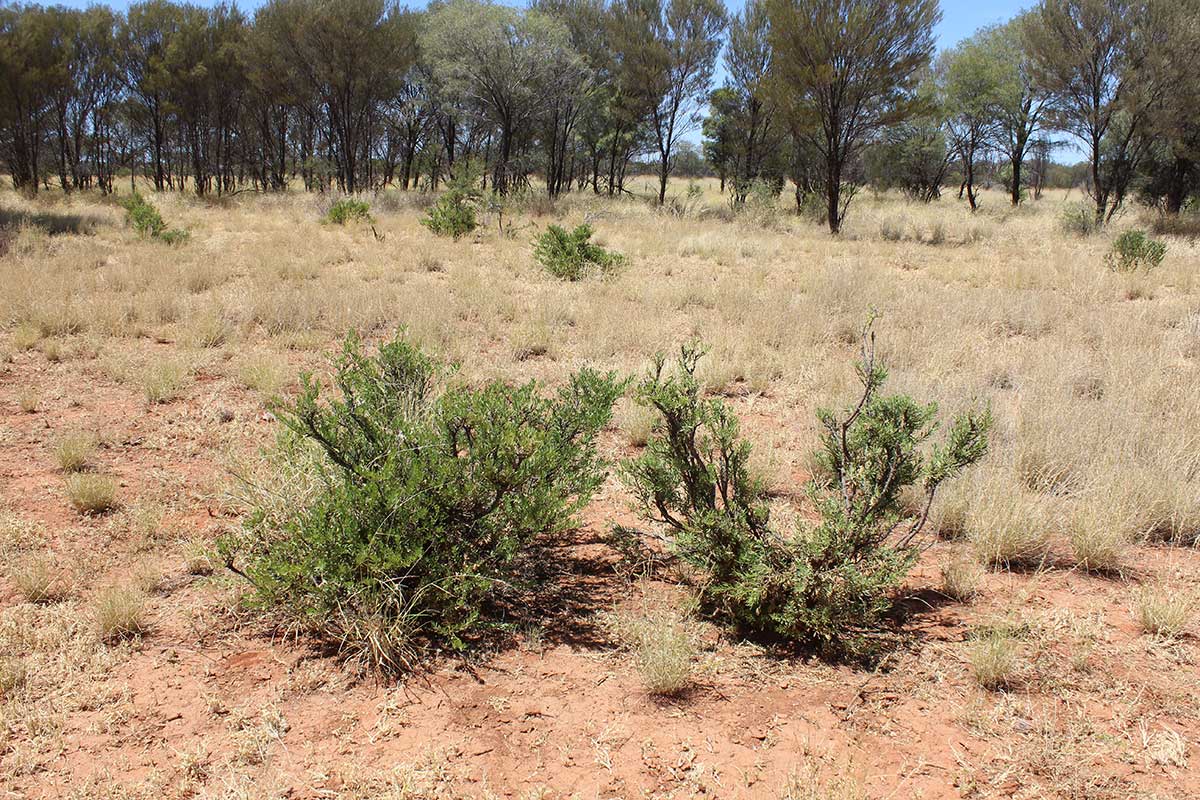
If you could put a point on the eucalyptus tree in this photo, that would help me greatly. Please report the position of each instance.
(1094, 57)
(670, 50)
(509, 66)
(844, 70)
(969, 79)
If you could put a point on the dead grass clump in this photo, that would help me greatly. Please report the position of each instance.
(13, 675)
(74, 450)
(163, 381)
(90, 493)
(1163, 611)
(661, 646)
(995, 660)
(28, 399)
(264, 374)
(36, 580)
(636, 422)
(120, 613)
(1009, 528)
(1098, 539)
(962, 575)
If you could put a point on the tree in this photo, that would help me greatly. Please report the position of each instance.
(844, 70)
(32, 69)
(1021, 104)
(671, 48)
(969, 79)
(508, 65)
(1093, 57)
(755, 128)
(1171, 170)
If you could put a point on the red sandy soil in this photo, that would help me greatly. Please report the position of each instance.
(563, 712)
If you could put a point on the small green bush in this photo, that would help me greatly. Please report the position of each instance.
(833, 578)
(425, 496)
(1134, 250)
(454, 212)
(1079, 219)
(571, 255)
(144, 218)
(348, 209)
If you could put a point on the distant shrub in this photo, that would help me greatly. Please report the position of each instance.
(143, 217)
(424, 494)
(348, 209)
(571, 255)
(1134, 250)
(454, 212)
(832, 578)
(1078, 219)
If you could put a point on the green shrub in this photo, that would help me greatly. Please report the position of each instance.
(832, 578)
(348, 209)
(1079, 219)
(174, 236)
(454, 212)
(426, 494)
(571, 255)
(144, 218)
(1134, 250)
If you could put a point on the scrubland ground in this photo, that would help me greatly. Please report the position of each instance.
(1045, 644)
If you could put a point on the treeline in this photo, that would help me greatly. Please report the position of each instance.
(361, 94)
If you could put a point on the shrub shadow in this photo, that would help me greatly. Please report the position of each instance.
(53, 223)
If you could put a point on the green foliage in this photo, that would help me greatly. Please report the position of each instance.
(571, 255)
(1079, 219)
(144, 218)
(426, 494)
(454, 213)
(348, 209)
(832, 578)
(1134, 250)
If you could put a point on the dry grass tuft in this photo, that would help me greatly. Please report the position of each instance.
(92, 494)
(28, 399)
(163, 381)
(13, 675)
(37, 581)
(962, 575)
(995, 660)
(1099, 542)
(661, 646)
(74, 450)
(120, 613)
(1009, 528)
(1162, 611)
